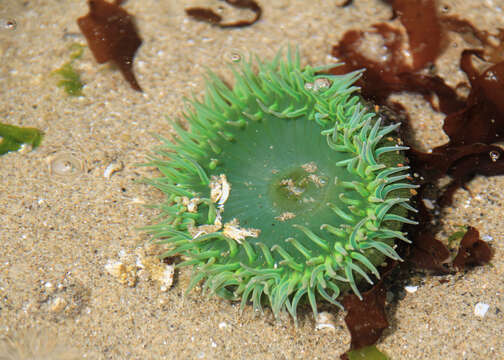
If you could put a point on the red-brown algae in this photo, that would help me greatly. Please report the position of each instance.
(112, 36)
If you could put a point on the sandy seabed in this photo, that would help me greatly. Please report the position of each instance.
(57, 233)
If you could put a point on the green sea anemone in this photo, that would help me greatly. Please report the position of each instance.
(286, 187)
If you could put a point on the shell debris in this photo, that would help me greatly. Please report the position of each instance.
(155, 269)
(411, 289)
(287, 215)
(291, 187)
(113, 167)
(316, 180)
(310, 167)
(325, 320)
(480, 309)
(65, 166)
(191, 204)
(57, 305)
(197, 231)
(125, 274)
(219, 189)
(233, 231)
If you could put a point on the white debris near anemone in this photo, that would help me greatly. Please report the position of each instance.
(310, 167)
(316, 180)
(219, 189)
(156, 270)
(291, 187)
(200, 230)
(325, 321)
(141, 265)
(233, 231)
(191, 204)
(125, 274)
(287, 215)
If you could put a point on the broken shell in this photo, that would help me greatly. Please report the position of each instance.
(157, 270)
(325, 320)
(113, 167)
(125, 274)
(219, 189)
(233, 231)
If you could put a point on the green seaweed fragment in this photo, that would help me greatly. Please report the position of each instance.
(456, 237)
(71, 81)
(367, 353)
(12, 137)
(77, 51)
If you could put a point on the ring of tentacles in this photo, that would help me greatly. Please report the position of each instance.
(286, 187)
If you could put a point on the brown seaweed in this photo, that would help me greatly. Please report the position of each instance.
(210, 16)
(472, 124)
(112, 36)
(472, 250)
(366, 318)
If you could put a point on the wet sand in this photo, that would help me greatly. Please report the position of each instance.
(57, 233)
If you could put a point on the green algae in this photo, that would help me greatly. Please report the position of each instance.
(367, 353)
(70, 78)
(455, 238)
(13, 137)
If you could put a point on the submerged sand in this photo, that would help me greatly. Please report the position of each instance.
(57, 233)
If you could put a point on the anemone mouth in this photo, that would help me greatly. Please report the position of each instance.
(286, 187)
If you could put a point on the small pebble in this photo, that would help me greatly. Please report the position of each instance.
(428, 204)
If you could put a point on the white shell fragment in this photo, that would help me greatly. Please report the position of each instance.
(310, 167)
(125, 274)
(233, 231)
(219, 189)
(198, 231)
(291, 187)
(321, 84)
(287, 215)
(156, 270)
(325, 320)
(481, 309)
(428, 204)
(316, 180)
(411, 289)
(191, 204)
(113, 167)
